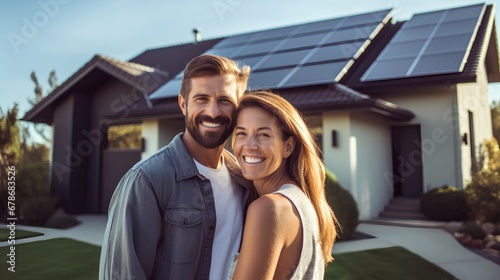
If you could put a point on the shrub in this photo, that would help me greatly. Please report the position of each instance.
(483, 196)
(446, 203)
(36, 210)
(344, 206)
(33, 178)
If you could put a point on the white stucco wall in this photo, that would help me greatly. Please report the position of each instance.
(374, 162)
(150, 133)
(473, 97)
(361, 159)
(338, 159)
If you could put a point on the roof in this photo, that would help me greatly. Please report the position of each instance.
(146, 72)
(91, 75)
(173, 59)
(305, 54)
(317, 65)
(483, 49)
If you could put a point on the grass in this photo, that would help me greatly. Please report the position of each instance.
(64, 258)
(59, 258)
(384, 264)
(4, 234)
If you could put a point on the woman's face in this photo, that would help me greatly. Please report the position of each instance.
(259, 145)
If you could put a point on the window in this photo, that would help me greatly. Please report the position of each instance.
(124, 136)
(472, 143)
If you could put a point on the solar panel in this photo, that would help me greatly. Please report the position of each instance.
(364, 19)
(311, 53)
(414, 33)
(431, 18)
(284, 59)
(387, 69)
(335, 52)
(314, 74)
(236, 40)
(267, 79)
(250, 61)
(170, 89)
(227, 52)
(404, 49)
(353, 34)
(256, 48)
(430, 43)
(441, 63)
(303, 41)
(274, 33)
(449, 43)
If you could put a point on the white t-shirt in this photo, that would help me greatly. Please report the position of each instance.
(229, 204)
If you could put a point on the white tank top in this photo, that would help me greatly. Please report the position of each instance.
(311, 265)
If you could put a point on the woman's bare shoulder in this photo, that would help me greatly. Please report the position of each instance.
(272, 206)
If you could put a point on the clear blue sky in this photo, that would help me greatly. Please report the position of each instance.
(62, 35)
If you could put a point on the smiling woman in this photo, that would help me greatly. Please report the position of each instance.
(290, 228)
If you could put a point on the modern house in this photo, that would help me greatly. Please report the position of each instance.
(398, 108)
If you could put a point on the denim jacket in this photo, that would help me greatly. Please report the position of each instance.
(161, 221)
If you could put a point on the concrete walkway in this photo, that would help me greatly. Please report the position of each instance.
(433, 244)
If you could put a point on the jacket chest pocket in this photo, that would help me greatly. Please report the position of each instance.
(183, 235)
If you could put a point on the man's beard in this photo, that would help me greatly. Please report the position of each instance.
(211, 139)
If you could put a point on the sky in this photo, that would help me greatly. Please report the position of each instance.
(62, 35)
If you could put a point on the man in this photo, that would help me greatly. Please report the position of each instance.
(179, 213)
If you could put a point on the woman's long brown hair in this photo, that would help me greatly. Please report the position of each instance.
(304, 165)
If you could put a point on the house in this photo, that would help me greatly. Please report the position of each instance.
(398, 108)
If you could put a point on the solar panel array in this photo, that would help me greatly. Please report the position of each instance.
(429, 44)
(306, 54)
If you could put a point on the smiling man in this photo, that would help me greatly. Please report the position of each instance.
(179, 213)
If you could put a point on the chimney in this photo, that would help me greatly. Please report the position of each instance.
(197, 35)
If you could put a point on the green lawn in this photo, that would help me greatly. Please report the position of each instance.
(4, 234)
(384, 264)
(64, 258)
(60, 258)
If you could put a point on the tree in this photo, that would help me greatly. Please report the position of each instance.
(42, 129)
(10, 141)
(25, 166)
(10, 152)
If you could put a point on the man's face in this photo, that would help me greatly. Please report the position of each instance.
(209, 109)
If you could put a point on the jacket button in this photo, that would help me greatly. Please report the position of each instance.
(211, 228)
(185, 221)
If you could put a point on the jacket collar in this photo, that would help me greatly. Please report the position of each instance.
(183, 162)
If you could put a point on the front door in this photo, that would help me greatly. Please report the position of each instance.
(407, 161)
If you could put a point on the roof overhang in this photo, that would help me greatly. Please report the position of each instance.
(88, 77)
(340, 97)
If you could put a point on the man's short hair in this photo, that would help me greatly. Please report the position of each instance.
(212, 65)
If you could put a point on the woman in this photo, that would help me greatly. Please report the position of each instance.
(290, 229)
